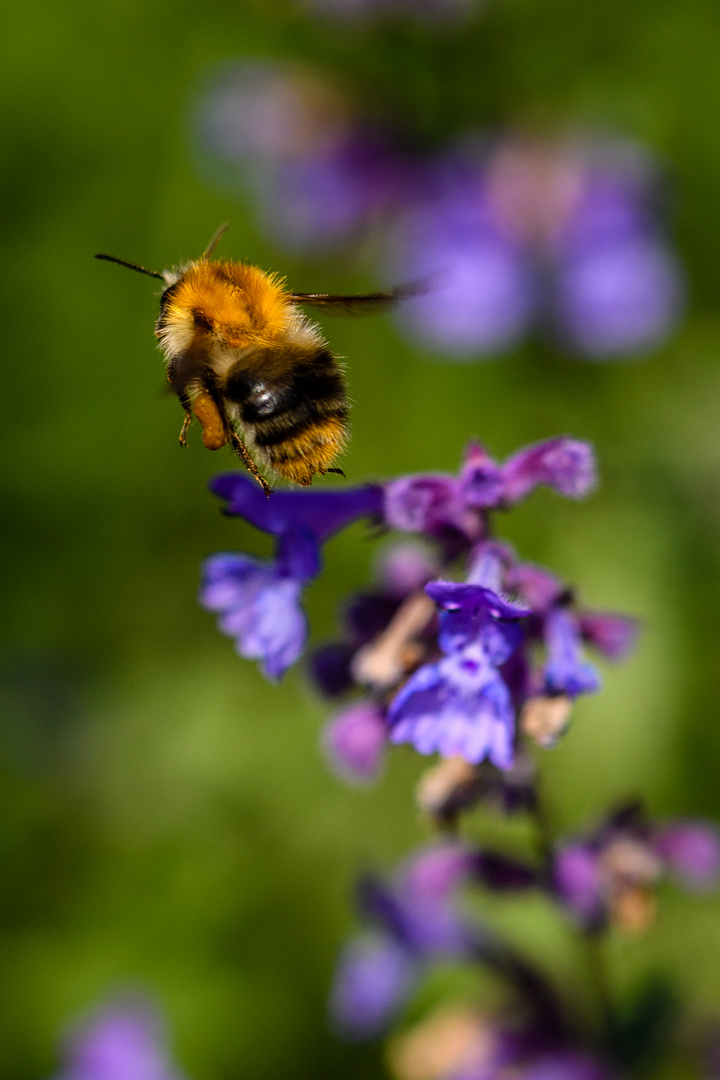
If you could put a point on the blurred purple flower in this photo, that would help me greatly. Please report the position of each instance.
(565, 671)
(690, 851)
(609, 875)
(510, 235)
(482, 294)
(374, 978)
(355, 741)
(417, 924)
(614, 636)
(122, 1041)
(622, 297)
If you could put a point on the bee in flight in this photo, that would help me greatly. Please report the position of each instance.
(244, 359)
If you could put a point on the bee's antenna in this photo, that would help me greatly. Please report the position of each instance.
(130, 266)
(216, 238)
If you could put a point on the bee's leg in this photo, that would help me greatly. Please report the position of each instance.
(244, 454)
(184, 429)
(185, 402)
(338, 471)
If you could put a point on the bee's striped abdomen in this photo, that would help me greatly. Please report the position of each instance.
(294, 404)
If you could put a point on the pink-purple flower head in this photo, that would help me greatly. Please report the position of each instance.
(443, 506)
(123, 1040)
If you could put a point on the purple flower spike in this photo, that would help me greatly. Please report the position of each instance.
(458, 706)
(320, 513)
(375, 976)
(123, 1041)
(258, 607)
(566, 672)
(614, 636)
(564, 464)
(354, 742)
(691, 852)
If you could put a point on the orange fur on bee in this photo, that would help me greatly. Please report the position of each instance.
(238, 303)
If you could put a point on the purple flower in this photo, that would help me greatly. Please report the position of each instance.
(417, 924)
(482, 297)
(565, 671)
(434, 873)
(317, 513)
(619, 288)
(614, 636)
(690, 851)
(442, 506)
(621, 297)
(457, 706)
(577, 880)
(432, 504)
(375, 976)
(355, 741)
(564, 464)
(610, 874)
(259, 607)
(122, 1041)
(259, 602)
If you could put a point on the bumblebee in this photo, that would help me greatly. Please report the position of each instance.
(251, 367)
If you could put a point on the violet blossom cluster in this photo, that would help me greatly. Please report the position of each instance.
(461, 668)
(512, 234)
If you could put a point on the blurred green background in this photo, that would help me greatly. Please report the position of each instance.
(166, 819)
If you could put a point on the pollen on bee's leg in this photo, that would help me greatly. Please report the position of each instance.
(214, 430)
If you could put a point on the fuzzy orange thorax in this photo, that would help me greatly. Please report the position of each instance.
(240, 303)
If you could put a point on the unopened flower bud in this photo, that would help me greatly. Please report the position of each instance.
(545, 719)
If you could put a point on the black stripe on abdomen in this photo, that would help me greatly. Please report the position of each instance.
(281, 404)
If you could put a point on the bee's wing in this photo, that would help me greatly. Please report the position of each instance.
(366, 304)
